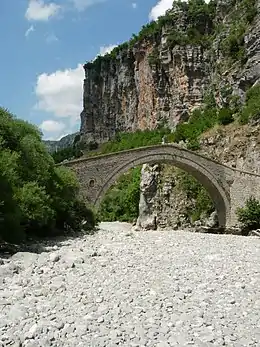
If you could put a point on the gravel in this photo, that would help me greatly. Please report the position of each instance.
(124, 288)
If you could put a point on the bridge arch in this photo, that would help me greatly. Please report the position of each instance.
(218, 191)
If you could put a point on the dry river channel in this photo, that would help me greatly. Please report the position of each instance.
(120, 287)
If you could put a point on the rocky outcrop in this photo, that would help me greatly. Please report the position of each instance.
(148, 191)
(133, 95)
(64, 142)
(233, 145)
(161, 77)
(168, 206)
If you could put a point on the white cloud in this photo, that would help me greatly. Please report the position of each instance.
(51, 38)
(39, 11)
(60, 93)
(106, 49)
(55, 130)
(134, 5)
(81, 5)
(160, 8)
(52, 126)
(30, 30)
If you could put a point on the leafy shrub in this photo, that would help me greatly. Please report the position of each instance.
(233, 45)
(121, 203)
(203, 204)
(250, 10)
(199, 121)
(137, 139)
(92, 146)
(225, 116)
(209, 100)
(36, 197)
(249, 216)
(153, 58)
(67, 153)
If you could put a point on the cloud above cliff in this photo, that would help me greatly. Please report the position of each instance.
(43, 10)
(52, 126)
(106, 49)
(38, 10)
(160, 8)
(60, 93)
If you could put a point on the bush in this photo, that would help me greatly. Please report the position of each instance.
(203, 204)
(249, 216)
(121, 203)
(225, 116)
(200, 121)
(36, 197)
(67, 153)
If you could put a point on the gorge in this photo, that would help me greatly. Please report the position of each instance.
(197, 56)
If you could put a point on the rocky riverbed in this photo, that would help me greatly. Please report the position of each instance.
(124, 288)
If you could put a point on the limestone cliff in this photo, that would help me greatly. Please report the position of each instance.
(163, 73)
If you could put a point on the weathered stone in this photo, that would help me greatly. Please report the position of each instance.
(212, 221)
(54, 257)
(148, 188)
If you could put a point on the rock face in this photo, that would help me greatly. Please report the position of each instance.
(159, 80)
(148, 188)
(169, 206)
(64, 142)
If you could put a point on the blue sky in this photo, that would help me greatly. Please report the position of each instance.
(45, 43)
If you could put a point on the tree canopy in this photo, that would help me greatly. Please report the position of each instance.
(36, 197)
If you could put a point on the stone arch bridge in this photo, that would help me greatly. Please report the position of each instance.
(228, 187)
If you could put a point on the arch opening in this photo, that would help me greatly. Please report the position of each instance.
(217, 193)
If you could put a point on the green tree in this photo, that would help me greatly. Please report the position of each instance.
(36, 197)
(249, 216)
(121, 202)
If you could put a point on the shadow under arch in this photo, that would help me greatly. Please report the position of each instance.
(219, 195)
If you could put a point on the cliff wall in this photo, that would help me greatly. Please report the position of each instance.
(166, 71)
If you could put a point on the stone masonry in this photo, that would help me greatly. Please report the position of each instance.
(228, 187)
